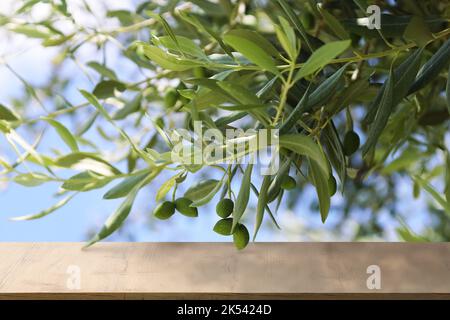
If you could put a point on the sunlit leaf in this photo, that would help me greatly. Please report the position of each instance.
(64, 133)
(321, 57)
(254, 47)
(45, 212)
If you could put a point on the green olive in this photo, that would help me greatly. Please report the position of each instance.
(351, 143)
(164, 210)
(183, 206)
(241, 236)
(307, 19)
(223, 226)
(224, 208)
(170, 98)
(332, 185)
(288, 183)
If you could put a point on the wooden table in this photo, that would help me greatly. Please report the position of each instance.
(217, 270)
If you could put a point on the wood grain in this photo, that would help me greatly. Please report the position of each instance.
(218, 271)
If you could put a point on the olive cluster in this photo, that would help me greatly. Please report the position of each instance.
(167, 209)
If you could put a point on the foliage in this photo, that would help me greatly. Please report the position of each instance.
(307, 68)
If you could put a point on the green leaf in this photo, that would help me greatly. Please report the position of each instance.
(223, 227)
(435, 194)
(87, 125)
(130, 107)
(115, 220)
(64, 133)
(243, 196)
(325, 91)
(241, 237)
(240, 93)
(96, 104)
(320, 181)
(165, 188)
(335, 26)
(306, 146)
(85, 181)
(447, 91)
(296, 22)
(405, 73)
(296, 114)
(166, 26)
(164, 59)
(192, 20)
(7, 114)
(185, 45)
(447, 177)
(208, 197)
(45, 212)
(254, 47)
(31, 179)
(286, 36)
(124, 188)
(32, 31)
(87, 161)
(107, 88)
(432, 67)
(407, 235)
(382, 117)
(321, 57)
(417, 31)
(262, 202)
(335, 150)
(198, 191)
(102, 70)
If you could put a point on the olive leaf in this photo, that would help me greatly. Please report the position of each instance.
(165, 188)
(382, 116)
(164, 59)
(64, 133)
(106, 88)
(305, 146)
(320, 181)
(321, 57)
(335, 150)
(31, 179)
(85, 181)
(405, 74)
(254, 47)
(447, 91)
(200, 189)
(262, 202)
(185, 45)
(7, 114)
(123, 188)
(102, 70)
(87, 161)
(447, 178)
(115, 220)
(47, 211)
(208, 197)
(417, 31)
(326, 89)
(437, 196)
(335, 26)
(130, 107)
(432, 67)
(296, 22)
(243, 196)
